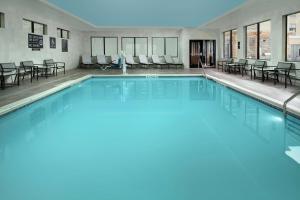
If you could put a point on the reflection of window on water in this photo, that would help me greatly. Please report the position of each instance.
(292, 138)
(202, 90)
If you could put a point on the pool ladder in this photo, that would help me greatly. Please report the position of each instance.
(288, 100)
(200, 62)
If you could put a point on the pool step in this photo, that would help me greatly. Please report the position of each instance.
(293, 126)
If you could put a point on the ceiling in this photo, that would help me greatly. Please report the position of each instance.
(147, 13)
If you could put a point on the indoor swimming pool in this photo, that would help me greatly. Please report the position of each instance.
(155, 138)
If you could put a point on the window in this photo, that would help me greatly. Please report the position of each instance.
(265, 40)
(2, 22)
(227, 44)
(111, 46)
(104, 46)
(34, 27)
(62, 33)
(230, 44)
(135, 46)
(252, 40)
(234, 43)
(258, 43)
(172, 47)
(128, 46)
(165, 46)
(293, 38)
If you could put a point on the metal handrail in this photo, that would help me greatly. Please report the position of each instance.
(204, 73)
(288, 100)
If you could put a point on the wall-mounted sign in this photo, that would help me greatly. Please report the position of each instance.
(64, 45)
(52, 42)
(239, 45)
(35, 41)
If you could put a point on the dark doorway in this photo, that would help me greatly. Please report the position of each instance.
(202, 53)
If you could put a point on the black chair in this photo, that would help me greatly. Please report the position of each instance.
(237, 66)
(259, 67)
(225, 64)
(37, 69)
(55, 65)
(9, 70)
(27, 68)
(283, 69)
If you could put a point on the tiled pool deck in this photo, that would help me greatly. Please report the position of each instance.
(267, 91)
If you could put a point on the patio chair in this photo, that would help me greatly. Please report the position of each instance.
(258, 68)
(36, 68)
(237, 66)
(283, 69)
(86, 61)
(56, 65)
(158, 62)
(130, 61)
(224, 62)
(9, 70)
(27, 68)
(144, 61)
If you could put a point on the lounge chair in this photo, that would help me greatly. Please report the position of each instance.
(27, 68)
(130, 61)
(259, 67)
(9, 70)
(144, 61)
(157, 61)
(102, 61)
(170, 61)
(283, 69)
(86, 61)
(56, 65)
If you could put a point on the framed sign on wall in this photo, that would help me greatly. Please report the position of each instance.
(35, 42)
(52, 43)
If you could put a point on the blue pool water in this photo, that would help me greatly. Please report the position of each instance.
(149, 139)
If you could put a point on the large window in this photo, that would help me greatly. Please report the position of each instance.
(104, 46)
(165, 46)
(234, 43)
(135, 46)
(230, 44)
(258, 45)
(2, 22)
(293, 37)
(34, 27)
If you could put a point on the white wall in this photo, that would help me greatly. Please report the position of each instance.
(13, 38)
(256, 11)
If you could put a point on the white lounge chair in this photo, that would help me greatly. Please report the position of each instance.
(130, 61)
(101, 60)
(157, 61)
(171, 62)
(144, 61)
(86, 61)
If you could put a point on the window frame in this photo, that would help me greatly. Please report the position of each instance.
(61, 30)
(258, 39)
(39, 23)
(2, 20)
(286, 37)
(165, 46)
(134, 45)
(231, 43)
(91, 41)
